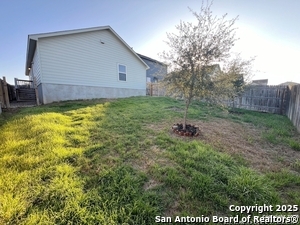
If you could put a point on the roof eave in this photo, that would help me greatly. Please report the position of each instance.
(31, 46)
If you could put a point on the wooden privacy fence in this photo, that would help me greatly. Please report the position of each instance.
(4, 93)
(155, 89)
(14, 95)
(264, 98)
(274, 99)
(293, 110)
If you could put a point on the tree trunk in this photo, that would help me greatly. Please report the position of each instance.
(187, 104)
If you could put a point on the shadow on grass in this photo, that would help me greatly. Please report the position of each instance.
(88, 174)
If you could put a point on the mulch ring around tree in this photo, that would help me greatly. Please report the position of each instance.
(190, 131)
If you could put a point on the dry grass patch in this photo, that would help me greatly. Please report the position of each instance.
(240, 140)
(151, 184)
(245, 140)
(150, 158)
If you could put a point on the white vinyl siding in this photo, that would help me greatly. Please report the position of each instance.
(81, 59)
(36, 68)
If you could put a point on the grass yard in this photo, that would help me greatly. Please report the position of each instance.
(117, 162)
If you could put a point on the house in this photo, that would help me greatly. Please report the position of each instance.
(288, 83)
(157, 70)
(260, 82)
(84, 64)
(212, 70)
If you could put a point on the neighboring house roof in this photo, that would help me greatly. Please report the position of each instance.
(212, 69)
(32, 39)
(289, 83)
(150, 59)
(260, 82)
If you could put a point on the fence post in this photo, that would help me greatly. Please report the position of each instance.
(1, 93)
(6, 93)
(16, 83)
(282, 101)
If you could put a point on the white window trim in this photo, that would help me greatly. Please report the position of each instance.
(118, 72)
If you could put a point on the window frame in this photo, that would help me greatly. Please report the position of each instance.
(120, 72)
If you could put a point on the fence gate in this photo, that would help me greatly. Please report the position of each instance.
(25, 90)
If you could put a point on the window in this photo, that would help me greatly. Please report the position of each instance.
(122, 72)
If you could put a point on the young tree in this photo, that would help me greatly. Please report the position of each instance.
(195, 51)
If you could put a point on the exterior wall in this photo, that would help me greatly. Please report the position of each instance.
(36, 68)
(156, 70)
(80, 59)
(62, 92)
(40, 93)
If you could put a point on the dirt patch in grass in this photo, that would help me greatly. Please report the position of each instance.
(148, 159)
(238, 140)
(241, 140)
(246, 140)
(150, 184)
(151, 157)
(173, 209)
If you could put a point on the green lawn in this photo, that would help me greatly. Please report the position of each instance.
(117, 162)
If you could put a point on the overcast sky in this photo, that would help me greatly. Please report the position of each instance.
(268, 29)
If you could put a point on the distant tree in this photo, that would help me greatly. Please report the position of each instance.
(194, 55)
(237, 72)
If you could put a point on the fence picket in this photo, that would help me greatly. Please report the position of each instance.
(293, 111)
